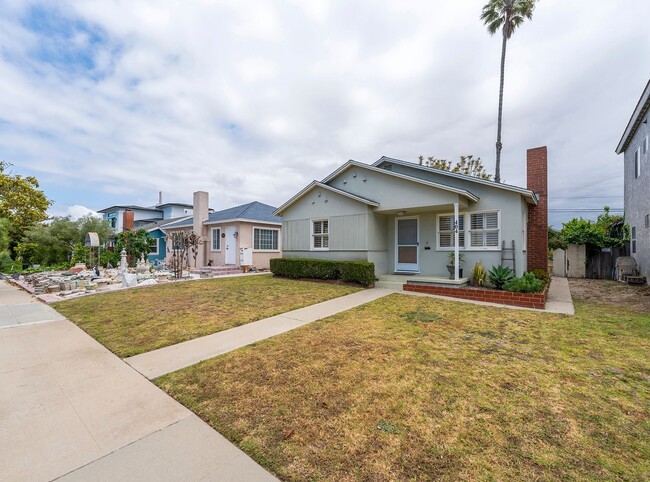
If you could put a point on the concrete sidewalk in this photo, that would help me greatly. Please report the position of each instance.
(171, 358)
(69, 408)
(20, 308)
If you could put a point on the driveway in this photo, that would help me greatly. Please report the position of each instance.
(69, 408)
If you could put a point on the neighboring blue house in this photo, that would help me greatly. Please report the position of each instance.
(159, 244)
(152, 218)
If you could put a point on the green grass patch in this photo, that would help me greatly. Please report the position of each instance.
(136, 321)
(415, 388)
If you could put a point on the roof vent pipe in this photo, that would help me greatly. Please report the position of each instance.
(159, 197)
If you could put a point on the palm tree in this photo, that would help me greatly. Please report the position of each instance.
(504, 15)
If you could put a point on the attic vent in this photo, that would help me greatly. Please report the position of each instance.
(388, 167)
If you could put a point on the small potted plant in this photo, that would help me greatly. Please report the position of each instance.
(450, 266)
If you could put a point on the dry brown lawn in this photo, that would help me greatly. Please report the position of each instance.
(415, 388)
(135, 321)
(612, 293)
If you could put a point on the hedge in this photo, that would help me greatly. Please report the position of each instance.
(362, 272)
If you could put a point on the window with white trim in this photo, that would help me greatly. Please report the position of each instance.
(633, 239)
(215, 242)
(320, 231)
(484, 230)
(637, 163)
(153, 246)
(265, 239)
(446, 231)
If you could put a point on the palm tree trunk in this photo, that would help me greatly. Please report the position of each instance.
(497, 173)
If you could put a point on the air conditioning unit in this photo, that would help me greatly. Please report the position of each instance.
(246, 256)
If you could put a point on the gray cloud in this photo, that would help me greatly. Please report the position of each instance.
(252, 100)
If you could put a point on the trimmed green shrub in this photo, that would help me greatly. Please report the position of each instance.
(361, 272)
(541, 274)
(528, 283)
(500, 275)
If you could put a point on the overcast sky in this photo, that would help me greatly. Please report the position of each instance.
(108, 102)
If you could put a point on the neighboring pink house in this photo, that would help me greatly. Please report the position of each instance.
(251, 227)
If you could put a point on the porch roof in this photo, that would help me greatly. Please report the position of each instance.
(527, 193)
(351, 163)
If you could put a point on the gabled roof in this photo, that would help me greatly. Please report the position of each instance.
(639, 112)
(315, 184)
(163, 223)
(444, 187)
(253, 211)
(521, 190)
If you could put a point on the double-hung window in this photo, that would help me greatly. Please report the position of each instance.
(633, 239)
(637, 163)
(484, 230)
(320, 234)
(215, 242)
(265, 239)
(153, 246)
(446, 231)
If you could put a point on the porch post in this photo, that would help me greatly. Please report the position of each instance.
(456, 226)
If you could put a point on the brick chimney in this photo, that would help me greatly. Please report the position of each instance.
(200, 214)
(128, 220)
(537, 170)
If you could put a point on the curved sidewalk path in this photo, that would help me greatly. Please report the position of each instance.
(171, 358)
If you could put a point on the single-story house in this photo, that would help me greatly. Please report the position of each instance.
(408, 218)
(227, 232)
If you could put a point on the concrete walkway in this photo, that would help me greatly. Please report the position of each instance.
(20, 308)
(69, 408)
(558, 299)
(171, 358)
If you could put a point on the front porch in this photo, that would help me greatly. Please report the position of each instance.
(397, 281)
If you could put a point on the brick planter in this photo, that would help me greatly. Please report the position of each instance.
(526, 300)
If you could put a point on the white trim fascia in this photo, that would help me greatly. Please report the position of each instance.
(314, 184)
(240, 220)
(373, 168)
(639, 111)
(521, 190)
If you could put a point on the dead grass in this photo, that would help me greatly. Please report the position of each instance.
(613, 293)
(136, 321)
(415, 388)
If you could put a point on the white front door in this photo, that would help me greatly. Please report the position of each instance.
(407, 242)
(231, 245)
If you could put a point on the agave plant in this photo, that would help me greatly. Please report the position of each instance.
(500, 275)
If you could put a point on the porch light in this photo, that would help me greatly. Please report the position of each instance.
(401, 213)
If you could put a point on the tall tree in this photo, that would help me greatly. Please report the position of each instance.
(504, 16)
(21, 202)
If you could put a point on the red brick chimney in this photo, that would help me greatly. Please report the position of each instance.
(536, 167)
(128, 221)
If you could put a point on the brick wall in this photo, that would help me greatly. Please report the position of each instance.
(128, 221)
(526, 300)
(537, 173)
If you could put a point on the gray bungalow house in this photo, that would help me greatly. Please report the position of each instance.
(407, 219)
